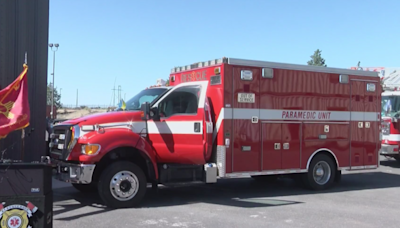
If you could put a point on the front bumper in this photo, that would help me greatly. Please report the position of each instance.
(387, 149)
(74, 173)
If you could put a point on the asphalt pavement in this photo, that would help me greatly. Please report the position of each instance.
(362, 199)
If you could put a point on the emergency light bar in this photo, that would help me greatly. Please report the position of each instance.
(199, 64)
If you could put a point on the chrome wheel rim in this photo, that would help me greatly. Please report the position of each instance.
(124, 185)
(322, 172)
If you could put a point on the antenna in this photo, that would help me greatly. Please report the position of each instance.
(358, 66)
(114, 92)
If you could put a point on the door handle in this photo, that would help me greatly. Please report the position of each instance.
(197, 127)
(277, 146)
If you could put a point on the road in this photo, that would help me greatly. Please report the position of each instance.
(363, 199)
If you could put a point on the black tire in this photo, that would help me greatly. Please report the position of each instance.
(397, 159)
(308, 178)
(109, 197)
(85, 188)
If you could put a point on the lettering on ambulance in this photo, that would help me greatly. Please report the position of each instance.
(194, 76)
(306, 115)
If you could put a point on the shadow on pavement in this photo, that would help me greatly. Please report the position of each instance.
(241, 192)
(390, 162)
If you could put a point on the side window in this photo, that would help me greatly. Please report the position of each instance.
(183, 100)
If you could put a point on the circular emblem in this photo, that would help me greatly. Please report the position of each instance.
(15, 219)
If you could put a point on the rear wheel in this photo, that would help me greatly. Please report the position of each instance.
(123, 184)
(321, 173)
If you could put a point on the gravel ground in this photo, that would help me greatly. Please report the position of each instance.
(363, 199)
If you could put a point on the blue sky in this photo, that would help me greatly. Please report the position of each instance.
(136, 42)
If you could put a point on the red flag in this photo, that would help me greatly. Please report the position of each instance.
(14, 105)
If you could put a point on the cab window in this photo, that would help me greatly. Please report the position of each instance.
(183, 100)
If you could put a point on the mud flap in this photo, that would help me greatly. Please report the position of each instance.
(338, 176)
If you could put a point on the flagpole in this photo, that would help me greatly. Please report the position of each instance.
(23, 129)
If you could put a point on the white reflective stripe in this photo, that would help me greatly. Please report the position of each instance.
(391, 137)
(269, 172)
(368, 116)
(159, 127)
(173, 127)
(362, 167)
(305, 115)
(288, 171)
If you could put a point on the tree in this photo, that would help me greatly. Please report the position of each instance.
(167, 82)
(316, 59)
(57, 96)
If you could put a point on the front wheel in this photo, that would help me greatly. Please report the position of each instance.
(321, 173)
(123, 184)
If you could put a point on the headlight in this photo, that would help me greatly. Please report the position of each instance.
(90, 149)
(385, 128)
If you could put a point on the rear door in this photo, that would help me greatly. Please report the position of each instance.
(365, 108)
(371, 123)
(357, 149)
(246, 126)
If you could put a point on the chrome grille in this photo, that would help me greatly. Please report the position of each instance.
(59, 139)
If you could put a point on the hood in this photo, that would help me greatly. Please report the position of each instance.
(106, 117)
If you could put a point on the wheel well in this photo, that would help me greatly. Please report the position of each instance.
(327, 152)
(126, 154)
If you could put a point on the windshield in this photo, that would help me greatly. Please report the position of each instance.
(147, 95)
(390, 106)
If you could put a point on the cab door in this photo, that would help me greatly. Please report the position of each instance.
(178, 137)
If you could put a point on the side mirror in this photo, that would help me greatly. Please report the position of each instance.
(145, 109)
(154, 114)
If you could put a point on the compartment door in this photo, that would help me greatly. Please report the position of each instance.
(291, 133)
(246, 126)
(271, 146)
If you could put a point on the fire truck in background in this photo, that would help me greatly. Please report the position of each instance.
(390, 123)
(226, 118)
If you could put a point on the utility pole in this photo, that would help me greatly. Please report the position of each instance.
(114, 96)
(54, 66)
(119, 93)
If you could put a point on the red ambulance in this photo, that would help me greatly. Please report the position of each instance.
(226, 118)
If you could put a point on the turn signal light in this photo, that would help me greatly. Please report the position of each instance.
(90, 149)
